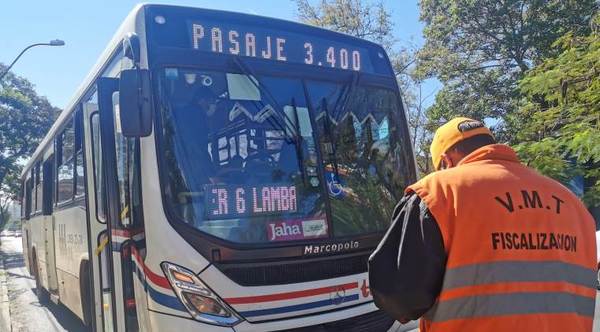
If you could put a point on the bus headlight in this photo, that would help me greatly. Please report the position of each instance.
(201, 302)
(206, 304)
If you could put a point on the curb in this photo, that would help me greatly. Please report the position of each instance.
(5, 323)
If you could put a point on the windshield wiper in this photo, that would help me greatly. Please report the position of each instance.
(287, 126)
(292, 126)
(344, 97)
(329, 132)
(299, 143)
(340, 104)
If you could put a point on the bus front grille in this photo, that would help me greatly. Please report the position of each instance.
(289, 272)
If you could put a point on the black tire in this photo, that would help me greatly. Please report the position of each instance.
(86, 295)
(42, 294)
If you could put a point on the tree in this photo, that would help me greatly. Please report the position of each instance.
(560, 113)
(4, 211)
(480, 49)
(25, 117)
(419, 125)
(354, 17)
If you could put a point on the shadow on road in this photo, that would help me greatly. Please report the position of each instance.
(67, 319)
(16, 275)
(13, 260)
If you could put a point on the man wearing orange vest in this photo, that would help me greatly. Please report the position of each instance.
(486, 244)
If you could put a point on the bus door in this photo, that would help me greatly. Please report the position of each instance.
(112, 230)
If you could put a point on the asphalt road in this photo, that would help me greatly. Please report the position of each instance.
(26, 312)
(27, 315)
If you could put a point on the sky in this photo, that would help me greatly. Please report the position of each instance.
(87, 27)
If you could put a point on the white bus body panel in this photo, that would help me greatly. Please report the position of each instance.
(26, 242)
(50, 257)
(38, 244)
(71, 249)
(41, 233)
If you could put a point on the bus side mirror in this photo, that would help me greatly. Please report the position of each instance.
(135, 110)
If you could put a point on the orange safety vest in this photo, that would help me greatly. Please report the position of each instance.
(521, 248)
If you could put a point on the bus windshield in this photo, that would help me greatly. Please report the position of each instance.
(261, 159)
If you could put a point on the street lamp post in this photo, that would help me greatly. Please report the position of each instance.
(55, 42)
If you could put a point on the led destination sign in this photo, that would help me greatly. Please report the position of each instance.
(231, 201)
(278, 46)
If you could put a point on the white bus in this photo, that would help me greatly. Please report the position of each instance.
(219, 172)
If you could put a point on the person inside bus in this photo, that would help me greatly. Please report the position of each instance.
(192, 149)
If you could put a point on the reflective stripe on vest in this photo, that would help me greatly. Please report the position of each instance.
(517, 302)
(511, 304)
(519, 271)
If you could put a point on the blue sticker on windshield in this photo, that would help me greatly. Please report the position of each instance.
(334, 185)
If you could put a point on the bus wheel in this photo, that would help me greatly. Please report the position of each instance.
(41, 293)
(86, 294)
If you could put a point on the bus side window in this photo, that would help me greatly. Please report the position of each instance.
(32, 191)
(98, 172)
(22, 196)
(48, 171)
(39, 182)
(79, 164)
(64, 170)
(27, 197)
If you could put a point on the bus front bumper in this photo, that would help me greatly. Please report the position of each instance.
(165, 322)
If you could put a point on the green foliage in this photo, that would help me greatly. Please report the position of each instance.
(4, 211)
(25, 117)
(354, 17)
(546, 157)
(480, 49)
(558, 121)
(368, 201)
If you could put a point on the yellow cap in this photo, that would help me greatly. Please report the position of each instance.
(453, 132)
